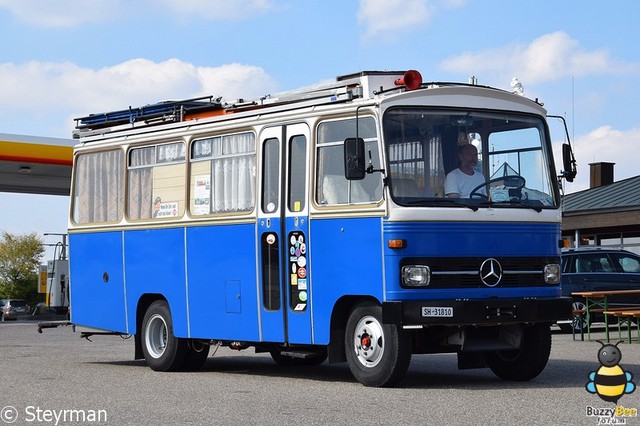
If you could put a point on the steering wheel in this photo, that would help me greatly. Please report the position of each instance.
(511, 181)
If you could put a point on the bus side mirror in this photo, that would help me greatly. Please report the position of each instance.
(354, 168)
(568, 163)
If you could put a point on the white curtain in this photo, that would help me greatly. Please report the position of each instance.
(140, 183)
(233, 173)
(98, 189)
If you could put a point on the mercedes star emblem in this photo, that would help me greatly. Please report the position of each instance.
(491, 272)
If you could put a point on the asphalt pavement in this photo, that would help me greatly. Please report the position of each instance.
(57, 378)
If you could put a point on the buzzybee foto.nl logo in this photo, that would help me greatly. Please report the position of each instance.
(610, 382)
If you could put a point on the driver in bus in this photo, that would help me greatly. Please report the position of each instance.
(461, 181)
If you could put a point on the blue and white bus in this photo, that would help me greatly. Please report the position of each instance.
(314, 224)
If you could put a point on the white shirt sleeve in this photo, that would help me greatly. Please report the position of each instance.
(457, 182)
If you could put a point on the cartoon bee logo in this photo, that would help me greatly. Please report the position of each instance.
(610, 382)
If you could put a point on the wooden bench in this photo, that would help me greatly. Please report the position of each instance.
(610, 312)
(626, 316)
(577, 312)
(600, 299)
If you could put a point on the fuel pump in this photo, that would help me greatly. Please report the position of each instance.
(58, 278)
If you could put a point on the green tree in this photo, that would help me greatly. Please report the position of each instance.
(20, 257)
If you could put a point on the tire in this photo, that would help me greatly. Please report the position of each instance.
(161, 349)
(196, 355)
(377, 354)
(578, 322)
(288, 361)
(527, 362)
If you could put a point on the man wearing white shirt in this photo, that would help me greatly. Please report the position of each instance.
(460, 182)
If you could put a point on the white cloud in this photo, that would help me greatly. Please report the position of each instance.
(61, 13)
(72, 13)
(382, 16)
(548, 58)
(63, 90)
(604, 144)
(216, 9)
(455, 3)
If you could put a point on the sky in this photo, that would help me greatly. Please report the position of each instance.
(68, 58)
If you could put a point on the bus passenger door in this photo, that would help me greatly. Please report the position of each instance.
(283, 230)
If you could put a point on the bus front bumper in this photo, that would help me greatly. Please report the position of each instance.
(476, 312)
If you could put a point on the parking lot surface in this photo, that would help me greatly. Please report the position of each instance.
(56, 378)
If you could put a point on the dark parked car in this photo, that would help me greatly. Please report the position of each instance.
(13, 309)
(599, 269)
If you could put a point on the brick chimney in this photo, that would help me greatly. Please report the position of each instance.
(601, 174)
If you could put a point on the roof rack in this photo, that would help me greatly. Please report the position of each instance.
(165, 111)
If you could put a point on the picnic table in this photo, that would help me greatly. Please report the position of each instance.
(598, 301)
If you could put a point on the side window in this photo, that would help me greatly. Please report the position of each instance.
(297, 174)
(332, 188)
(156, 181)
(223, 174)
(98, 187)
(567, 264)
(628, 264)
(596, 263)
(270, 174)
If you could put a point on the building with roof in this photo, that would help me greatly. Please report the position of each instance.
(606, 214)
(35, 165)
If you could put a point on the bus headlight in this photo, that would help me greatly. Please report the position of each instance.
(416, 275)
(552, 273)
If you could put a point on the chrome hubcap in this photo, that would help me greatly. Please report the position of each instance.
(368, 341)
(156, 336)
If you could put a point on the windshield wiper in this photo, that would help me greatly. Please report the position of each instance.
(512, 203)
(445, 201)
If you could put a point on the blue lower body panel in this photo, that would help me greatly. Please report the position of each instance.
(211, 295)
(454, 243)
(222, 289)
(97, 282)
(154, 264)
(346, 256)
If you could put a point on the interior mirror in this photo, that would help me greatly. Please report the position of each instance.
(568, 163)
(354, 161)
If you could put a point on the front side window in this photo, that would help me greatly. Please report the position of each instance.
(98, 189)
(473, 158)
(223, 174)
(332, 188)
(628, 263)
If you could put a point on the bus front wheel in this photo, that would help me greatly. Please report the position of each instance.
(527, 362)
(161, 349)
(377, 354)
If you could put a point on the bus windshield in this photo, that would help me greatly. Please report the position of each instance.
(468, 158)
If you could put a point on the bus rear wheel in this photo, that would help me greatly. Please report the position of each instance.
(162, 350)
(377, 354)
(195, 356)
(527, 362)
